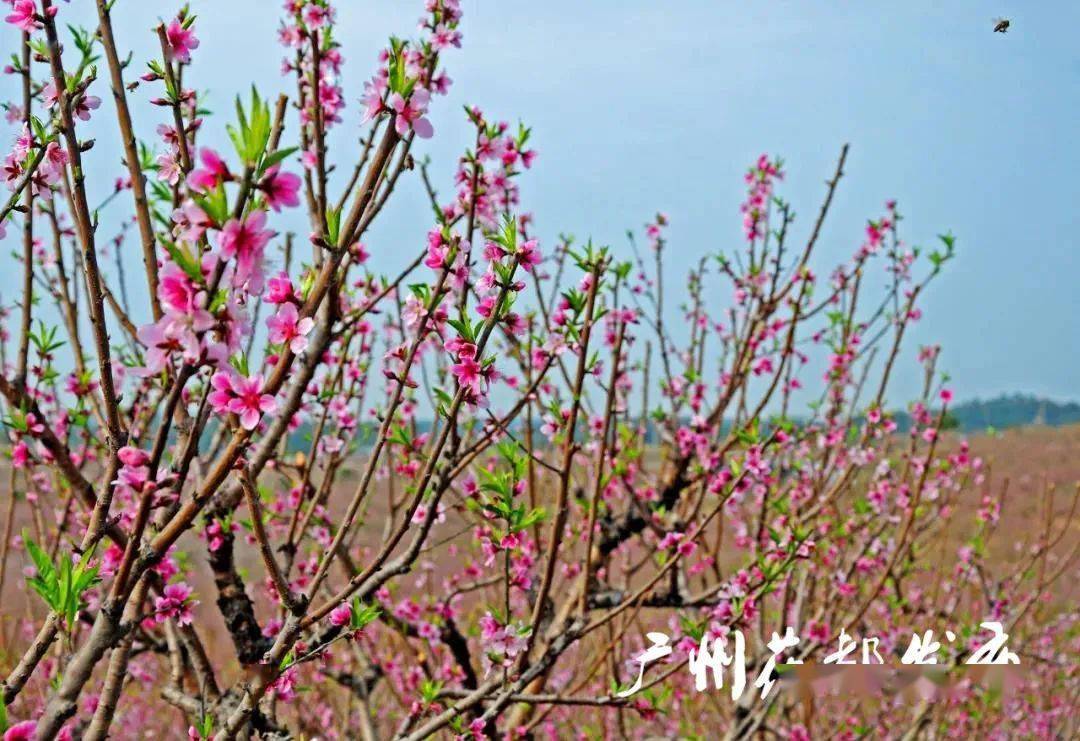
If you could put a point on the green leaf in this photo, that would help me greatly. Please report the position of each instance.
(215, 204)
(276, 158)
(45, 570)
(362, 614)
(239, 362)
(464, 328)
(39, 130)
(251, 135)
(333, 224)
(184, 260)
(61, 588)
(429, 690)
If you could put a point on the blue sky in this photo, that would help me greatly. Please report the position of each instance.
(642, 106)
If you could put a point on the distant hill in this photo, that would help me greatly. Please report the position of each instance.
(1014, 410)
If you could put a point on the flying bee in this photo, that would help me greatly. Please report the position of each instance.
(1001, 25)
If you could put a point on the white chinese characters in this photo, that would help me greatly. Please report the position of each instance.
(712, 657)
